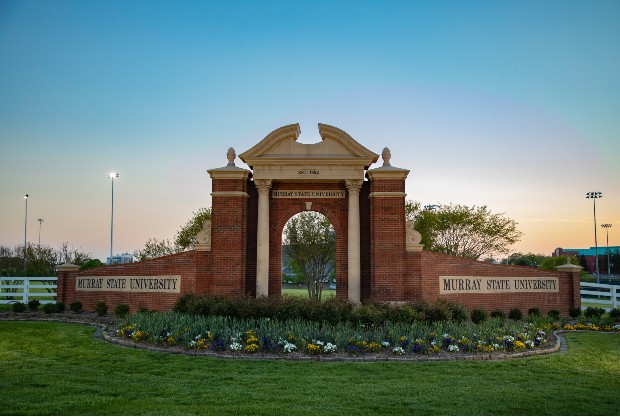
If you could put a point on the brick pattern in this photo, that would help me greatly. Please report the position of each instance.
(282, 209)
(228, 239)
(185, 264)
(425, 268)
(387, 237)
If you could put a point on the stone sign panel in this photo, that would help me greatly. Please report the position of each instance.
(489, 285)
(159, 283)
(308, 194)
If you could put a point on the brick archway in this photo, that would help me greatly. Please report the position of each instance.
(286, 212)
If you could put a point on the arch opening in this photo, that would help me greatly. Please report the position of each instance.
(308, 255)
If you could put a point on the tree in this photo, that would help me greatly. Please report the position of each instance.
(185, 238)
(524, 259)
(471, 232)
(154, 248)
(310, 241)
(550, 263)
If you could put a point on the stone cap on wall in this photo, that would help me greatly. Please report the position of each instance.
(67, 267)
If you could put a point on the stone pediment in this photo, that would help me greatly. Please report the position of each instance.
(281, 148)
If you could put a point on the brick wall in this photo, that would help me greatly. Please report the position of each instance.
(192, 266)
(425, 268)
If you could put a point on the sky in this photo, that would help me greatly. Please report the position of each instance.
(510, 104)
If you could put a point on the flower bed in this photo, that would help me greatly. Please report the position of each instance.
(296, 337)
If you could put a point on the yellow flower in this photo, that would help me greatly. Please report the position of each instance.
(251, 348)
(519, 345)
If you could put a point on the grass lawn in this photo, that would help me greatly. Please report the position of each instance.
(303, 292)
(61, 369)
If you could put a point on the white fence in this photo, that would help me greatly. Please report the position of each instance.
(24, 289)
(601, 295)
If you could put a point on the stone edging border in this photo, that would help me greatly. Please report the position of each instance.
(559, 342)
(102, 333)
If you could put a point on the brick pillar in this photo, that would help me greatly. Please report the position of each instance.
(573, 281)
(387, 231)
(229, 220)
(65, 289)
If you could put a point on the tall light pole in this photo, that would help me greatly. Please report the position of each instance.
(25, 230)
(112, 175)
(40, 221)
(594, 195)
(607, 226)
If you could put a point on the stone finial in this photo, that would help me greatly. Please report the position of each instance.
(386, 155)
(231, 155)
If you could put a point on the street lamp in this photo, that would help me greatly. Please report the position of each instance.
(594, 195)
(25, 229)
(607, 226)
(112, 175)
(40, 221)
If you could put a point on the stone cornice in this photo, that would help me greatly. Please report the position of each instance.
(387, 194)
(291, 131)
(280, 148)
(387, 173)
(229, 194)
(229, 173)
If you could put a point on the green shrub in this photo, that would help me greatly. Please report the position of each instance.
(459, 312)
(184, 302)
(478, 316)
(49, 308)
(574, 312)
(19, 307)
(369, 314)
(76, 307)
(121, 310)
(438, 312)
(515, 314)
(615, 313)
(533, 312)
(101, 308)
(498, 314)
(60, 307)
(33, 305)
(554, 314)
(593, 313)
(406, 314)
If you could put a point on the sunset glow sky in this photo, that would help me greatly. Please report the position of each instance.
(510, 104)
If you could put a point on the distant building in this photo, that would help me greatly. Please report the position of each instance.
(125, 258)
(586, 256)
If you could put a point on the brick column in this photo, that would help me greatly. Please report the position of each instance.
(228, 229)
(573, 281)
(65, 286)
(387, 231)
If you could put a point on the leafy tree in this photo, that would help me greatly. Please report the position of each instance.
(471, 232)
(91, 263)
(524, 259)
(550, 263)
(185, 238)
(310, 241)
(154, 248)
